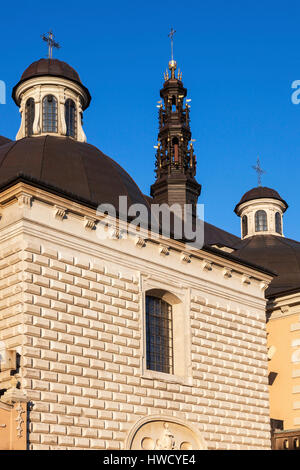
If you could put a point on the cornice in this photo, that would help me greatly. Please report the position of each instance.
(211, 262)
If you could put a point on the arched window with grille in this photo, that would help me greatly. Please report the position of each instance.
(70, 116)
(159, 335)
(278, 223)
(49, 114)
(244, 226)
(261, 223)
(29, 116)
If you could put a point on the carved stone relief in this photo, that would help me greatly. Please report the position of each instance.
(163, 434)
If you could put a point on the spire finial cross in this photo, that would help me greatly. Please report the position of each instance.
(171, 36)
(49, 39)
(259, 171)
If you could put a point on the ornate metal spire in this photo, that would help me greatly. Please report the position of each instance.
(172, 62)
(171, 36)
(49, 39)
(175, 158)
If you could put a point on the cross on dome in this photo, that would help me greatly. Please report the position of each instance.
(259, 171)
(171, 36)
(49, 39)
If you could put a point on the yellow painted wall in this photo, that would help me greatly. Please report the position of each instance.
(282, 398)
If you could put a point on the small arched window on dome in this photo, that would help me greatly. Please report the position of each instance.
(29, 116)
(159, 335)
(278, 223)
(261, 224)
(70, 116)
(244, 226)
(49, 114)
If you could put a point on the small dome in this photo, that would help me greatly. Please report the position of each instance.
(75, 170)
(4, 140)
(260, 193)
(50, 67)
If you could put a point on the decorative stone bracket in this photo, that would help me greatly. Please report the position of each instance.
(140, 242)
(227, 273)
(206, 265)
(116, 233)
(25, 200)
(246, 280)
(164, 250)
(264, 285)
(60, 212)
(185, 258)
(90, 223)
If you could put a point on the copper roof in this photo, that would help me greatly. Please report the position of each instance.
(260, 193)
(50, 67)
(279, 254)
(4, 140)
(73, 169)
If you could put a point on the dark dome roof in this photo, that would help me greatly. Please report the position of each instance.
(75, 170)
(279, 254)
(4, 140)
(52, 67)
(259, 193)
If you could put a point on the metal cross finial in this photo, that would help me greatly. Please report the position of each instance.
(49, 38)
(259, 171)
(171, 36)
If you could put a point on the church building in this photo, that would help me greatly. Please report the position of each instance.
(135, 339)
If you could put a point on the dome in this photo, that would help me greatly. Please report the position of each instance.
(52, 67)
(280, 255)
(4, 140)
(69, 168)
(260, 192)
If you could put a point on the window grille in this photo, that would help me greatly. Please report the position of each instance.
(49, 114)
(159, 334)
(261, 221)
(244, 225)
(29, 116)
(278, 224)
(70, 116)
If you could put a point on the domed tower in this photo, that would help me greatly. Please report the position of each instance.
(50, 151)
(175, 159)
(261, 210)
(51, 99)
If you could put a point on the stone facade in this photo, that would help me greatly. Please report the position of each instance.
(72, 306)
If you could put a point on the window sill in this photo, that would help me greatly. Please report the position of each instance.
(164, 377)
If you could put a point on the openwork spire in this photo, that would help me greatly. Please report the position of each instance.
(175, 157)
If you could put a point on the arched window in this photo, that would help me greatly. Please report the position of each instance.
(244, 226)
(70, 116)
(159, 335)
(29, 116)
(278, 223)
(261, 224)
(49, 114)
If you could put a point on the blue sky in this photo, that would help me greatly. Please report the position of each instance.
(238, 60)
